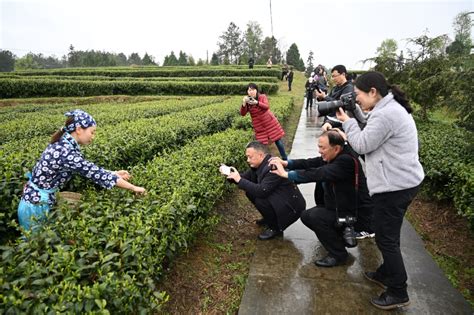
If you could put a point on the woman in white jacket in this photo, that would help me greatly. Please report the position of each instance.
(389, 142)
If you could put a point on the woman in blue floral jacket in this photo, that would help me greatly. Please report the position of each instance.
(57, 164)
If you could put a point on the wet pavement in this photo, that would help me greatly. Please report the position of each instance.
(284, 280)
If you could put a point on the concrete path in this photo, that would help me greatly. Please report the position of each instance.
(284, 280)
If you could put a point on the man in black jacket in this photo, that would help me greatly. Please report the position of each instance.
(345, 193)
(278, 199)
(343, 86)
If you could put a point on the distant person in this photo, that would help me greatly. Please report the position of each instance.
(265, 124)
(278, 200)
(284, 71)
(394, 174)
(61, 159)
(310, 86)
(289, 77)
(269, 63)
(251, 63)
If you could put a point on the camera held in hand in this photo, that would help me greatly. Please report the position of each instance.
(347, 102)
(349, 233)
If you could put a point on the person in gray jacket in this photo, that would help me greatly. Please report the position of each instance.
(394, 173)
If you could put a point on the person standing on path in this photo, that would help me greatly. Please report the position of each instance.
(394, 174)
(289, 77)
(265, 124)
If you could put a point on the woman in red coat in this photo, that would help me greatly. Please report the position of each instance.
(265, 124)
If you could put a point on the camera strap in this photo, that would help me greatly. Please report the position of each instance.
(356, 186)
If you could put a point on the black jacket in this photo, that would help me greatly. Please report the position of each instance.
(338, 181)
(283, 195)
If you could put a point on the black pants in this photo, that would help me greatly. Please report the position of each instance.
(309, 99)
(322, 222)
(389, 211)
(289, 84)
(266, 210)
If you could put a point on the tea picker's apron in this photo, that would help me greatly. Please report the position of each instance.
(29, 214)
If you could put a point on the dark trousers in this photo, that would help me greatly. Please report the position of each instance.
(289, 84)
(266, 210)
(389, 210)
(309, 99)
(322, 222)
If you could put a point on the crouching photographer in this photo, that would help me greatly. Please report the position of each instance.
(346, 197)
(278, 200)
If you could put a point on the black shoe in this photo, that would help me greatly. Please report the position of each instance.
(329, 261)
(372, 276)
(261, 222)
(269, 234)
(389, 302)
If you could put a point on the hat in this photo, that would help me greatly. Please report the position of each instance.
(81, 119)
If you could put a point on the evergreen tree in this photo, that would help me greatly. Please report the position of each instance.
(270, 48)
(252, 46)
(214, 59)
(309, 63)
(231, 44)
(72, 57)
(148, 60)
(293, 57)
(183, 59)
(7, 61)
(135, 59)
(462, 44)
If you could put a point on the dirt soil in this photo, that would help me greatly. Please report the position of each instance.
(210, 277)
(448, 239)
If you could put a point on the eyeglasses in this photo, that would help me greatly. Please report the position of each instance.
(335, 75)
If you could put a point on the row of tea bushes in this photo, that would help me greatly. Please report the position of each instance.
(11, 88)
(157, 72)
(105, 78)
(18, 125)
(125, 145)
(447, 158)
(107, 255)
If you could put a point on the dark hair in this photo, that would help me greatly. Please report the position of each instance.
(257, 146)
(334, 138)
(339, 68)
(376, 80)
(58, 134)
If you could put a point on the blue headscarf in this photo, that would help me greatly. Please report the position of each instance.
(81, 119)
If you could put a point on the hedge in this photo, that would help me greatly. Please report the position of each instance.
(448, 165)
(11, 88)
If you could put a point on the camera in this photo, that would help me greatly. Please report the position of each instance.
(348, 235)
(347, 102)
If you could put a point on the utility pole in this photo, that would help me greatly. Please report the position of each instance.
(271, 17)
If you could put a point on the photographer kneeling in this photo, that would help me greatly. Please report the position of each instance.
(346, 197)
(278, 200)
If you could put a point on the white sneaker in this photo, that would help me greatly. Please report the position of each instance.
(363, 234)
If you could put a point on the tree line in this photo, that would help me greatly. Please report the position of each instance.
(233, 47)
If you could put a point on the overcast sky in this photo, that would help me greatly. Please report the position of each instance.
(338, 32)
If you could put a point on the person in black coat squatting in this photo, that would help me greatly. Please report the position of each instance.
(345, 193)
(279, 201)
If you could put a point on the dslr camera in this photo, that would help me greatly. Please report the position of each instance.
(349, 233)
(347, 102)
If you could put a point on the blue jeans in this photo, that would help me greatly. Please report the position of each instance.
(281, 149)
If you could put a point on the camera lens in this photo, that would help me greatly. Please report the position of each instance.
(325, 108)
(349, 236)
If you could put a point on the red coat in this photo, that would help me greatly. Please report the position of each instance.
(265, 124)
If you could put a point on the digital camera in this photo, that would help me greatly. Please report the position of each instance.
(347, 102)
